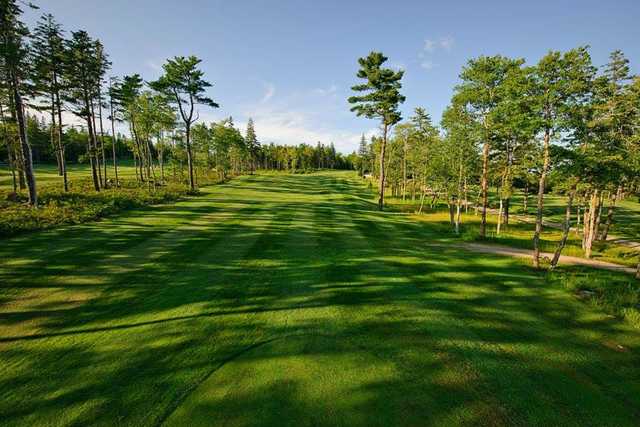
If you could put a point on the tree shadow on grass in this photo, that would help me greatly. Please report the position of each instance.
(304, 308)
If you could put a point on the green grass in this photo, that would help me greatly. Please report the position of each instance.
(625, 222)
(47, 174)
(289, 300)
(520, 234)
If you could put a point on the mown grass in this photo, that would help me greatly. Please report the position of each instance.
(290, 300)
(78, 174)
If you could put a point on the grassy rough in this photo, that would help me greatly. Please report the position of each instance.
(57, 207)
(289, 300)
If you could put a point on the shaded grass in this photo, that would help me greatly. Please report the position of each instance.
(82, 203)
(289, 300)
(520, 234)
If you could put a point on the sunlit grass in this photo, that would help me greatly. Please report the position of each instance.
(290, 300)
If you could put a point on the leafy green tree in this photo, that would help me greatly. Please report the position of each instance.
(555, 79)
(612, 119)
(381, 100)
(15, 71)
(480, 92)
(126, 94)
(462, 138)
(184, 84)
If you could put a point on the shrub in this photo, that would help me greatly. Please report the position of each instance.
(81, 204)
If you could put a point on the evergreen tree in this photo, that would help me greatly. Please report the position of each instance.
(251, 141)
(49, 56)
(82, 74)
(381, 101)
(362, 156)
(183, 83)
(15, 71)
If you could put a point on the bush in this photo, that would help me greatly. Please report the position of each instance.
(79, 205)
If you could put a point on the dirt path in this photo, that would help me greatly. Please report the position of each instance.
(529, 219)
(526, 253)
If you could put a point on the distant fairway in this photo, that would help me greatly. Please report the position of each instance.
(47, 174)
(290, 300)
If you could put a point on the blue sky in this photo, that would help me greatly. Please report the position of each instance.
(290, 64)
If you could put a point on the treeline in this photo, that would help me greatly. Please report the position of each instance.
(512, 125)
(54, 73)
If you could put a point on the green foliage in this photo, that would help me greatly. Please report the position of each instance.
(184, 84)
(80, 205)
(382, 90)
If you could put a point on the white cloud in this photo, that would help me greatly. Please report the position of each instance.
(427, 65)
(331, 90)
(447, 43)
(269, 92)
(442, 43)
(290, 121)
(397, 66)
(429, 45)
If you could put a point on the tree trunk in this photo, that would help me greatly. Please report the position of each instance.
(52, 135)
(12, 163)
(92, 142)
(499, 218)
(12, 166)
(189, 156)
(113, 138)
(505, 214)
(63, 161)
(565, 229)
(424, 194)
(525, 202)
(24, 144)
(104, 157)
(95, 143)
(592, 226)
(612, 206)
(541, 186)
(452, 216)
(484, 188)
(404, 170)
(466, 199)
(383, 149)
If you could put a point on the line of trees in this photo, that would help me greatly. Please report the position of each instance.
(513, 125)
(48, 71)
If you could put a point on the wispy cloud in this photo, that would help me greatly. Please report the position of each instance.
(430, 45)
(154, 65)
(289, 120)
(447, 43)
(270, 90)
(331, 90)
(427, 65)
(430, 48)
(442, 43)
(397, 66)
